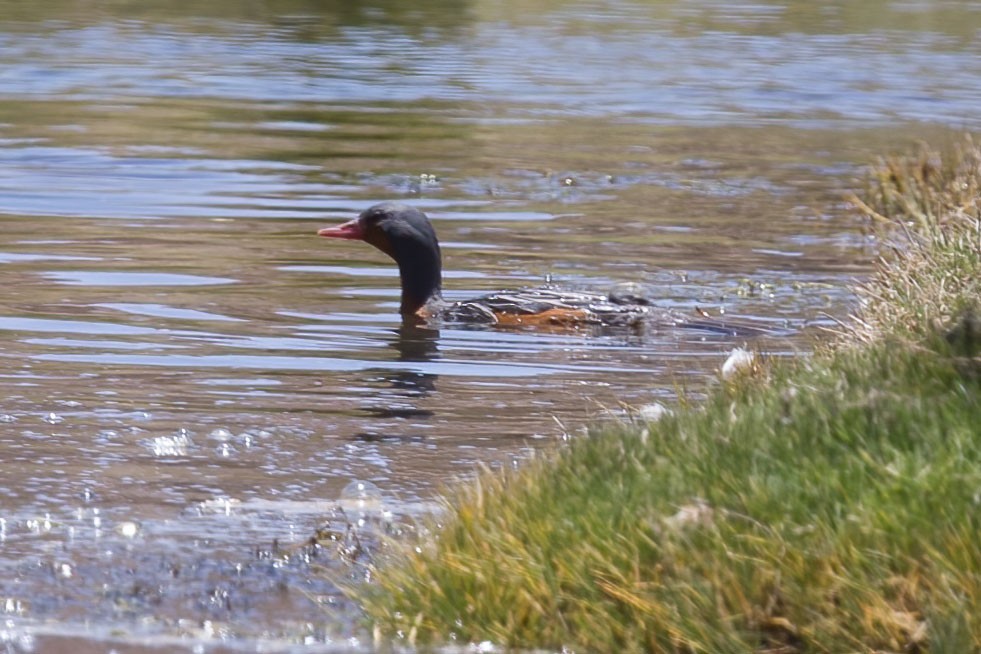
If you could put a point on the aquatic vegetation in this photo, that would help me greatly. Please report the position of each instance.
(832, 506)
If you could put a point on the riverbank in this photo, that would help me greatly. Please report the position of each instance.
(828, 504)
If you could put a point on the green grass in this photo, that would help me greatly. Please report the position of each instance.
(833, 506)
(926, 208)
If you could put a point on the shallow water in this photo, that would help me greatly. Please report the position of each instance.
(193, 379)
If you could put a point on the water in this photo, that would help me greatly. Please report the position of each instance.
(195, 384)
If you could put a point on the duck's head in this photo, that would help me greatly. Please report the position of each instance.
(405, 234)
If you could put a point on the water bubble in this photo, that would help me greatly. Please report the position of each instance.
(219, 505)
(361, 490)
(6, 417)
(220, 434)
(175, 445)
(53, 418)
(128, 529)
(13, 605)
(361, 495)
(39, 525)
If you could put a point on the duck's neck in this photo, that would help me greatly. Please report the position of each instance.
(422, 282)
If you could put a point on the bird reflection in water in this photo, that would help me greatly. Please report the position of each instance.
(413, 343)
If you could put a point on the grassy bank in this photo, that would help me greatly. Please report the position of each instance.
(835, 506)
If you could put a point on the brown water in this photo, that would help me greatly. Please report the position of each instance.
(194, 383)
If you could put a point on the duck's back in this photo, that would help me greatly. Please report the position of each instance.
(547, 306)
(565, 309)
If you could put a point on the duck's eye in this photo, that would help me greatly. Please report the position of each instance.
(372, 219)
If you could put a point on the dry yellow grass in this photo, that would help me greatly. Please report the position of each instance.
(926, 211)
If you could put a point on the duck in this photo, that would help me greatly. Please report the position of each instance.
(406, 235)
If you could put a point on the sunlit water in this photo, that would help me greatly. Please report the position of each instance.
(195, 384)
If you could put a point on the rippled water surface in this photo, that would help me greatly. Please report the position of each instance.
(194, 384)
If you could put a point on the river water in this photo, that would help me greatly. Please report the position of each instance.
(194, 384)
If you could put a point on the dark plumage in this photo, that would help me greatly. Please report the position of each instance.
(406, 235)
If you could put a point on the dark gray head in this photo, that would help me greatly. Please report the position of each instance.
(405, 234)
